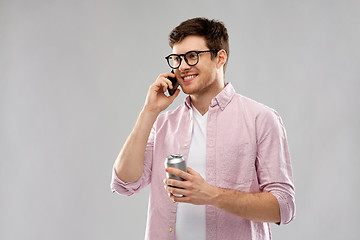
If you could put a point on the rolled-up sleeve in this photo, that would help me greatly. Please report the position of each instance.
(121, 187)
(273, 164)
(286, 202)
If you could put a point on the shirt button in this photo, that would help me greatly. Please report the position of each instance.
(186, 144)
(170, 229)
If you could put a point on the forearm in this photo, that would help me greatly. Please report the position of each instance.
(129, 164)
(260, 207)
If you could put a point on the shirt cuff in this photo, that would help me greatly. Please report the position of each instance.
(123, 188)
(287, 207)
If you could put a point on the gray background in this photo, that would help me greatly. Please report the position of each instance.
(74, 75)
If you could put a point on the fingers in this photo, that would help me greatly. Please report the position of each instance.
(164, 85)
(194, 189)
(178, 172)
(190, 171)
(175, 183)
(176, 191)
(160, 85)
(179, 198)
(177, 194)
(164, 82)
(157, 100)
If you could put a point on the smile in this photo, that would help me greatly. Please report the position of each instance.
(189, 77)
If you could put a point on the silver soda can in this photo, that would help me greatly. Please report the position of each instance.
(175, 161)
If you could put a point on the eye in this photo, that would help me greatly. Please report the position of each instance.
(191, 55)
(175, 58)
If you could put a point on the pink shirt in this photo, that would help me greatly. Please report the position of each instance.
(246, 150)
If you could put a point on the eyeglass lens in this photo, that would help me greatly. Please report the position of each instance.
(191, 58)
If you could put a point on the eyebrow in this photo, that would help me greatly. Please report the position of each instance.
(194, 50)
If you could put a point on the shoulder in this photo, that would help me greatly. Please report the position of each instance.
(251, 106)
(259, 113)
(172, 116)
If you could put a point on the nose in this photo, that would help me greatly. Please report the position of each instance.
(184, 66)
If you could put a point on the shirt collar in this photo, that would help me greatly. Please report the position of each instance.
(221, 100)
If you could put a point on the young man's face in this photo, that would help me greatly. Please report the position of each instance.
(201, 78)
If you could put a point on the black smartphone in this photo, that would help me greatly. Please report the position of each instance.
(174, 83)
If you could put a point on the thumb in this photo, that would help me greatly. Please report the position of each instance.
(175, 95)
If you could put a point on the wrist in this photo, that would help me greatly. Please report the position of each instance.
(216, 196)
(151, 111)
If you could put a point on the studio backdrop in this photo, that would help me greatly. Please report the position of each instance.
(74, 75)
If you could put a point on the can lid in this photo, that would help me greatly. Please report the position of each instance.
(174, 157)
(178, 155)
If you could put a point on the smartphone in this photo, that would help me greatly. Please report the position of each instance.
(174, 83)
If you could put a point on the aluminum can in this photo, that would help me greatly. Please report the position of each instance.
(175, 161)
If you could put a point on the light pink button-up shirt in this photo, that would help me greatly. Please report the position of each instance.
(246, 150)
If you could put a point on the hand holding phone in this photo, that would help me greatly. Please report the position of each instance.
(175, 85)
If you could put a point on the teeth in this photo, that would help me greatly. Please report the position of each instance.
(189, 77)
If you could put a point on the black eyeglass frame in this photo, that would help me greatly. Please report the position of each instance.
(184, 56)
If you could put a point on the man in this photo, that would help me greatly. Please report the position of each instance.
(239, 177)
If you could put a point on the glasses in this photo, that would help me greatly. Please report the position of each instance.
(191, 58)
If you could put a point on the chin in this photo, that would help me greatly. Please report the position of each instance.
(191, 88)
(189, 91)
(185, 91)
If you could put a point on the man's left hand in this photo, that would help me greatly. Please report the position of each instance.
(194, 190)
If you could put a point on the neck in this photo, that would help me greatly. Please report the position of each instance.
(202, 101)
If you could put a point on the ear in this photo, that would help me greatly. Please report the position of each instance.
(221, 58)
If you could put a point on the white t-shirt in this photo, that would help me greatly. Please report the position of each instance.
(191, 219)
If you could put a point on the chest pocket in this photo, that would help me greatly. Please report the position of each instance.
(236, 165)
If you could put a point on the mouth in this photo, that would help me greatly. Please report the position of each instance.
(189, 77)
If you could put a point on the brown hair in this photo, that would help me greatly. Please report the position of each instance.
(214, 32)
